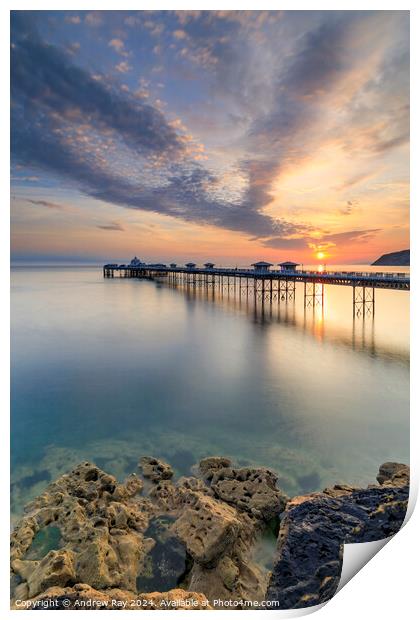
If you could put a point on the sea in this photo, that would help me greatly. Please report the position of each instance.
(109, 370)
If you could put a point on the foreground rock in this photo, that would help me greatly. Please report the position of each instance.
(207, 527)
(210, 465)
(394, 474)
(155, 469)
(101, 528)
(252, 490)
(185, 543)
(104, 534)
(312, 532)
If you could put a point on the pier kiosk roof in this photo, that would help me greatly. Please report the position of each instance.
(172, 265)
(209, 265)
(191, 265)
(288, 266)
(262, 266)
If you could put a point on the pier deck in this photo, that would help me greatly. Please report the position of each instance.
(276, 284)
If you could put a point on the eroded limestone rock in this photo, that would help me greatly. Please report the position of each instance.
(193, 539)
(207, 527)
(101, 524)
(253, 490)
(110, 537)
(155, 469)
(395, 474)
(210, 465)
(55, 569)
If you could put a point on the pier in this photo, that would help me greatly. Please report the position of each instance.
(265, 284)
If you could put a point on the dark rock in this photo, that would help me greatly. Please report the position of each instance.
(88, 531)
(167, 559)
(313, 530)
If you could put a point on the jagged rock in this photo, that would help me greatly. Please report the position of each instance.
(131, 487)
(101, 525)
(193, 484)
(229, 572)
(211, 464)
(155, 469)
(312, 533)
(252, 490)
(166, 495)
(396, 474)
(56, 569)
(116, 543)
(232, 580)
(207, 527)
(88, 537)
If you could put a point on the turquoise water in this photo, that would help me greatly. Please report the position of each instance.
(110, 370)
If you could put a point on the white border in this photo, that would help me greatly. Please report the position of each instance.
(387, 586)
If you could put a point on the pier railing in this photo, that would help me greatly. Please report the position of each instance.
(275, 284)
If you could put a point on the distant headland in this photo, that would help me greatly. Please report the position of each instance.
(397, 259)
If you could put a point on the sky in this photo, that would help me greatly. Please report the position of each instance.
(230, 136)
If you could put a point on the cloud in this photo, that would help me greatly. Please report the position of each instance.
(47, 89)
(280, 243)
(291, 85)
(348, 209)
(324, 242)
(310, 79)
(111, 226)
(131, 21)
(303, 85)
(46, 84)
(30, 179)
(72, 19)
(119, 47)
(73, 48)
(117, 44)
(123, 67)
(45, 203)
(351, 235)
(356, 179)
(179, 34)
(94, 18)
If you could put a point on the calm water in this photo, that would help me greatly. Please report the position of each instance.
(110, 370)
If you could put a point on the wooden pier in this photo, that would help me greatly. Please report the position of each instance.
(267, 285)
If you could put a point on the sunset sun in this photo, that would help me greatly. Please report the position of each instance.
(320, 255)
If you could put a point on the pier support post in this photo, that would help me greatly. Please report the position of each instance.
(314, 293)
(363, 300)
